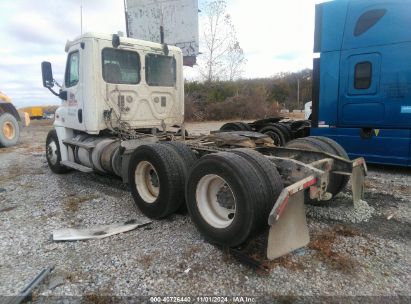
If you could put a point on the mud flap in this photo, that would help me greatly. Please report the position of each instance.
(357, 182)
(290, 231)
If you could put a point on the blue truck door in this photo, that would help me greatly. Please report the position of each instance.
(373, 103)
(366, 114)
(375, 81)
(360, 101)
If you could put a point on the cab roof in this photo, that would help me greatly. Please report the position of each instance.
(124, 40)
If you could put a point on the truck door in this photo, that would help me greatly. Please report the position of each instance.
(364, 111)
(72, 78)
(360, 103)
(374, 104)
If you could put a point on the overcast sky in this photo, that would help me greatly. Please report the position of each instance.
(276, 35)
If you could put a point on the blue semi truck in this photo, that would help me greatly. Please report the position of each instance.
(362, 78)
(361, 82)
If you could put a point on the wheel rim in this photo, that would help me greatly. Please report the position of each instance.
(52, 152)
(147, 182)
(8, 130)
(215, 201)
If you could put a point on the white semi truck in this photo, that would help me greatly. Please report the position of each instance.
(123, 114)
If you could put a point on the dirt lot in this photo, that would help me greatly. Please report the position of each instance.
(169, 258)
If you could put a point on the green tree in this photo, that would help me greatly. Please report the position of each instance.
(222, 56)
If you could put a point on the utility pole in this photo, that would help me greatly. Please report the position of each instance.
(81, 17)
(126, 13)
(298, 93)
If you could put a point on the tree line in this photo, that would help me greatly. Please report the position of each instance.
(247, 98)
(221, 93)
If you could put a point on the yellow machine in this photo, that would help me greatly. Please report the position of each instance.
(9, 122)
(34, 112)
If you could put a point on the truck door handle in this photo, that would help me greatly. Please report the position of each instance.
(366, 133)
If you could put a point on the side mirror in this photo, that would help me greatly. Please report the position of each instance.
(47, 73)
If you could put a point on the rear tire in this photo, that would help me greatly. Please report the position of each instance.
(336, 182)
(187, 155)
(225, 198)
(233, 126)
(273, 181)
(9, 130)
(180, 133)
(286, 130)
(156, 180)
(275, 133)
(246, 126)
(339, 151)
(188, 159)
(53, 154)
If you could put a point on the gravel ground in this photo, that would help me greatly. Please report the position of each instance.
(369, 257)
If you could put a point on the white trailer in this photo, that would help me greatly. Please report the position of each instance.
(174, 22)
(123, 114)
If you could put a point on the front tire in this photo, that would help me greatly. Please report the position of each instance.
(53, 154)
(9, 130)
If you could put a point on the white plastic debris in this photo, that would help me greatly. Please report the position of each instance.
(97, 232)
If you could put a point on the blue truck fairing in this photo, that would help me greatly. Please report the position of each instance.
(363, 98)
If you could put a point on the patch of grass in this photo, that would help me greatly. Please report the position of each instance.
(146, 260)
(11, 173)
(14, 171)
(72, 202)
(191, 251)
(30, 149)
(323, 243)
(99, 299)
(347, 231)
(286, 261)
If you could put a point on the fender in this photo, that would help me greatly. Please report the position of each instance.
(6, 107)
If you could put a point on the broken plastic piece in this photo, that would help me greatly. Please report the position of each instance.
(98, 232)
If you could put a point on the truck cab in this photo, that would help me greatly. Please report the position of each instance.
(114, 88)
(362, 78)
(111, 79)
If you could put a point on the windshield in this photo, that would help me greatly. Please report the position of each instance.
(121, 67)
(160, 70)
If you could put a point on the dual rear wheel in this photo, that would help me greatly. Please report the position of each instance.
(229, 195)
(337, 182)
(157, 174)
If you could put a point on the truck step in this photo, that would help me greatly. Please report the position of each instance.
(80, 144)
(76, 166)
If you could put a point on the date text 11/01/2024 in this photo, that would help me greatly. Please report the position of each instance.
(203, 299)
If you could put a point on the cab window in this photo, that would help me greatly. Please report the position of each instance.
(363, 75)
(368, 20)
(121, 66)
(72, 69)
(160, 70)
